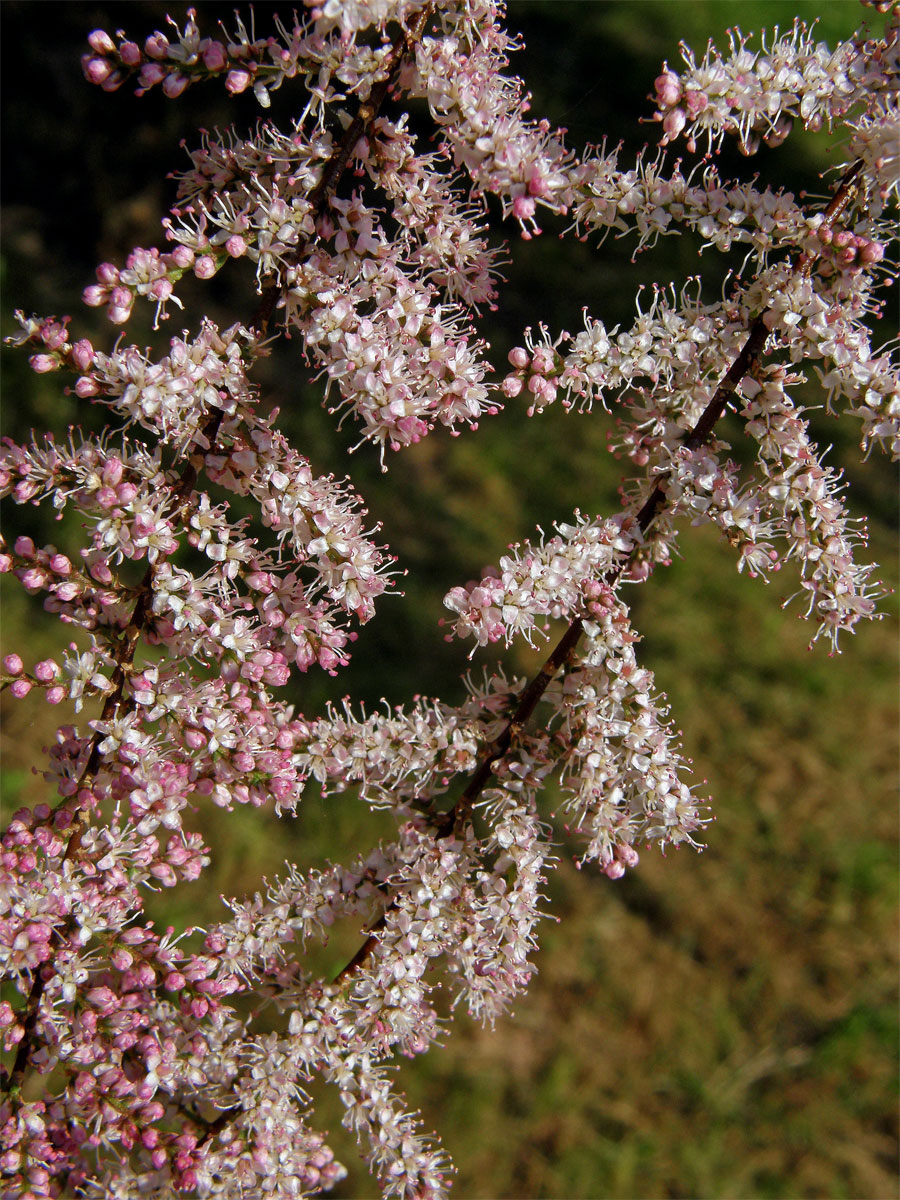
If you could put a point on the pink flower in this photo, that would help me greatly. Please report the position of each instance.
(238, 81)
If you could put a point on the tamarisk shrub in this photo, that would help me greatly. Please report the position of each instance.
(371, 250)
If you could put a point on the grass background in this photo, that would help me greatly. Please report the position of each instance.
(718, 1025)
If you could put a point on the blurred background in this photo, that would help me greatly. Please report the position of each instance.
(713, 1025)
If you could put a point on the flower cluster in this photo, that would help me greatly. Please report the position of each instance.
(621, 771)
(216, 559)
(757, 95)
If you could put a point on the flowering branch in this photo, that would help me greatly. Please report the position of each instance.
(179, 1088)
(492, 757)
(141, 614)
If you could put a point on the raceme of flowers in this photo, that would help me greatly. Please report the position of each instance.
(215, 561)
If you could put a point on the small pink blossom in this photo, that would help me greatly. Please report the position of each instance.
(238, 81)
(96, 70)
(43, 363)
(205, 267)
(101, 42)
(174, 84)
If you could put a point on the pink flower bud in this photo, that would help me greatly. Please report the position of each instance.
(205, 267)
(20, 688)
(237, 82)
(695, 102)
(53, 334)
(82, 354)
(119, 314)
(523, 208)
(518, 357)
(114, 82)
(130, 54)
(542, 362)
(628, 855)
(42, 363)
(673, 123)
(174, 84)
(278, 674)
(156, 46)
(668, 89)
(164, 873)
(126, 492)
(46, 670)
(547, 392)
(94, 295)
(56, 695)
(872, 252)
(213, 55)
(24, 547)
(113, 470)
(182, 256)
(538, 186)
(236, 246)
(24, 490)
(13, 665)
(150, 75)
(328, 660)
(161, 289)
(100, 41)
(96, 70)
(133, 936)
(101, 572)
